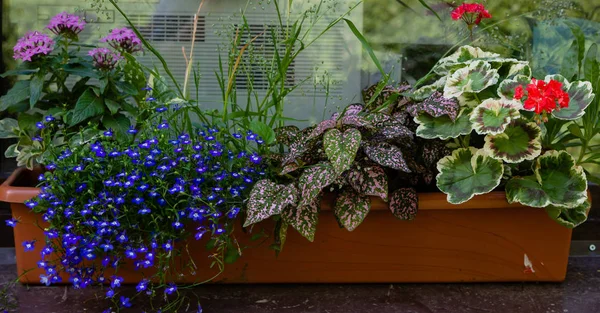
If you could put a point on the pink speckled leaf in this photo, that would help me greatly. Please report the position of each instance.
(353, 109)
(286, 134)
(388, 155)
(393, 129)
(404, 203)
(341, 148)
(436, 105)
(268, 199)
(321, 128)
(313, 180)
(304, 218)
(369, 181)
(351, 209)
(354, 120)
(376, 119)
(289, 168)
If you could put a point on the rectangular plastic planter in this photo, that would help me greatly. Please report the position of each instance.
(485, 239)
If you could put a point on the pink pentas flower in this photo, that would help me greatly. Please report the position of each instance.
(66, 24)
(471, 13)
(104, 58)
(31, 45)
(124, 39)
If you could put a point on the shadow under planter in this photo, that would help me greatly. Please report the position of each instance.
(484, 239)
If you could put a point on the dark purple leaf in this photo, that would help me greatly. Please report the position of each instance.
(404, 203)
(436, 105)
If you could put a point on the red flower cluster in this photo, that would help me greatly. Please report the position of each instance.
(543, 97)
(471, 13)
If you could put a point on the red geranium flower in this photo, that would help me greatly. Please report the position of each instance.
(543, 97)
(471, 13)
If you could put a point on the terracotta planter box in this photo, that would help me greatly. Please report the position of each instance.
(485, 239)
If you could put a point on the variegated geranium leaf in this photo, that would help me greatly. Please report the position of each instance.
(304, 218)
(506, 88)
(313, 180)
(556, 181)
(267, 199)
(369, 181)
(493, 115)
(286, 134)
(569, 218)
(351, 209)
(443, 127)
(520, 68)
(341, 148)
(520, 141)
(466, 173)
(428, 90)
(473, 78)
(321, 128)
(460, 57)
(436, 105)
(581, 94)
(404, 203)
(387, 155)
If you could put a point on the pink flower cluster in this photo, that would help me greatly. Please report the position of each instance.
(66, 24)
(124, 39)
(31, 45)
(104, 58)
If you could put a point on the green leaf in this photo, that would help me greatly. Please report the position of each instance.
(84, 137)
(521, 68)
(580, 38)
(443, 127)
(556, 181)
(17, 72)
(304, 218)
(492, 116)
(351, 209)
(88, 105)
(404, 203)
(313, 180)
(506, 89)
(473, 78)
(366, 46)
(466, 173)
(112, 106)
(17, 94)
(119, 123)
(520, 141)
(581, 95)
(263, 130)
(35, 89)
(268, 199)
(569, 218)
(127, 88)
(9, 128)
(369, 181)
(12, 151)
(81, 70)
(232, 254)
(428, 90)
(569, 66)
(27, 121)
(590, 64)
(341, 148)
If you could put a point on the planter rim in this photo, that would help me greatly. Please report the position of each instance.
(14, 194)
(427, 201)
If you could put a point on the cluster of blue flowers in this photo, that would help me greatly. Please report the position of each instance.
(109, 204)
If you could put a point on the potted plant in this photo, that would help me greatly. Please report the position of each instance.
(57, 86)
